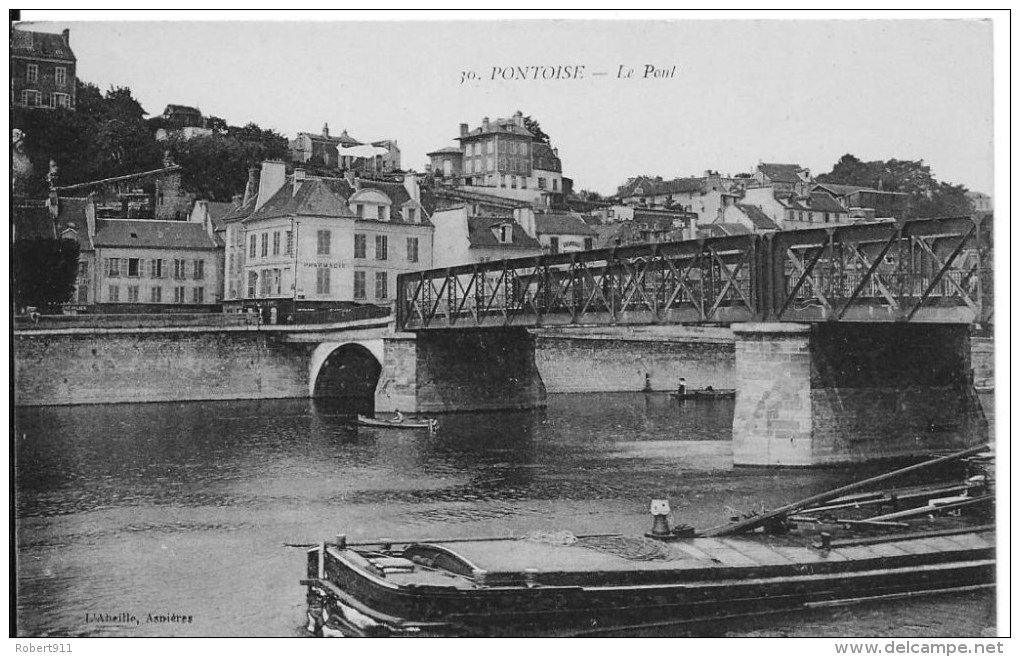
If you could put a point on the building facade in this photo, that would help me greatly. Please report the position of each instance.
(323, 149)
(462, 238)
(43, 69)
(707, 196)
(309, 243)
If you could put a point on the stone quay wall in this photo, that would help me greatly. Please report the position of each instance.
(150, 365)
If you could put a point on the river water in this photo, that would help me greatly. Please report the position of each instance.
(177, 519)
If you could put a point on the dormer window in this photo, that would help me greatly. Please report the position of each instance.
(504, 233)
(381, 212)
(412, 217)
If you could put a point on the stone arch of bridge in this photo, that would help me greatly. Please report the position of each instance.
(351, 367)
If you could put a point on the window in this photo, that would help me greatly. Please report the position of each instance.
(60, 76)
(157, 294)
(113, 268)
(826, 217)
(264, 288)
(381, 213)
(506, 234)
(359, 210)
(323, 237)
(83, 268)
(33, 73)
(199, 270)
(180, 269)
(83, 293)
(132, 293)
(381, 247)
(412, 249)
(156, 268)
(290, 242)
(554, 245)
(134, 270)
(524, 182)
(412, 215)
(322, 281)
(251, 247)
(589, 244)
(380, 285)
(277, 279)
(800, 215)
(179, 294)
(199, 295)
(253, 279)
(502, 180)
(791, 215)
(114, 296)
(359, 285)
(31, 97)
(276, 243)
(541, 183)
(556, 184)
(359, 245)
(265, 244)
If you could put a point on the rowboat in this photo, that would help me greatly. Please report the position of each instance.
(423, 423)
(704, 393)
(560, 584)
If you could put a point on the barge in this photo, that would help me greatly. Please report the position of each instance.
(837, 548)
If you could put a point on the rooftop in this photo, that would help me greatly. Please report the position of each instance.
(480, 234)
(152, 233)
(784, 173)
(562, 223)
(26, 43)
(760, 220)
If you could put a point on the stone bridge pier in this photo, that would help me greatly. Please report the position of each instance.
(441, 371)
(836, 393)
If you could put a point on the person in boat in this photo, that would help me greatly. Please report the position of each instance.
(681, 389)
(398, 417)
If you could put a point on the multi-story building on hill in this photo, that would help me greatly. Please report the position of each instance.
(503, 158)
(42, 69)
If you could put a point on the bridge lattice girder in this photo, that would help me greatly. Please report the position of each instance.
(925, 270)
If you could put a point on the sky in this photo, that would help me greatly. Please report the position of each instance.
(732, 92)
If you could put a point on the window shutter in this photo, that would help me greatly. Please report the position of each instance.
(106, 266)
(123, 266)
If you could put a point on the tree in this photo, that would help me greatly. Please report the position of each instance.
(105, 137)
(535, 129)
(589, 195)
(928, 197)
(43, 271)
(213, 166)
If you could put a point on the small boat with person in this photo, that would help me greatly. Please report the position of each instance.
(842, 547)
(399, 422)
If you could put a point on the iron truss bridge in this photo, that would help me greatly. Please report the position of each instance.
(923, 270)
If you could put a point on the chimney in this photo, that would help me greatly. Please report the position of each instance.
(67, 37)
(274, 175)
(485, 124)
(325, 130)
(252, 186)
(411, 185)
(556, 152)
(526, 218)
(519, 118)
(53, 203)
(90, 214)
(463, 129)
(299, 179)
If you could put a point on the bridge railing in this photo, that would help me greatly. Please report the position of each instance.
(922, 270)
